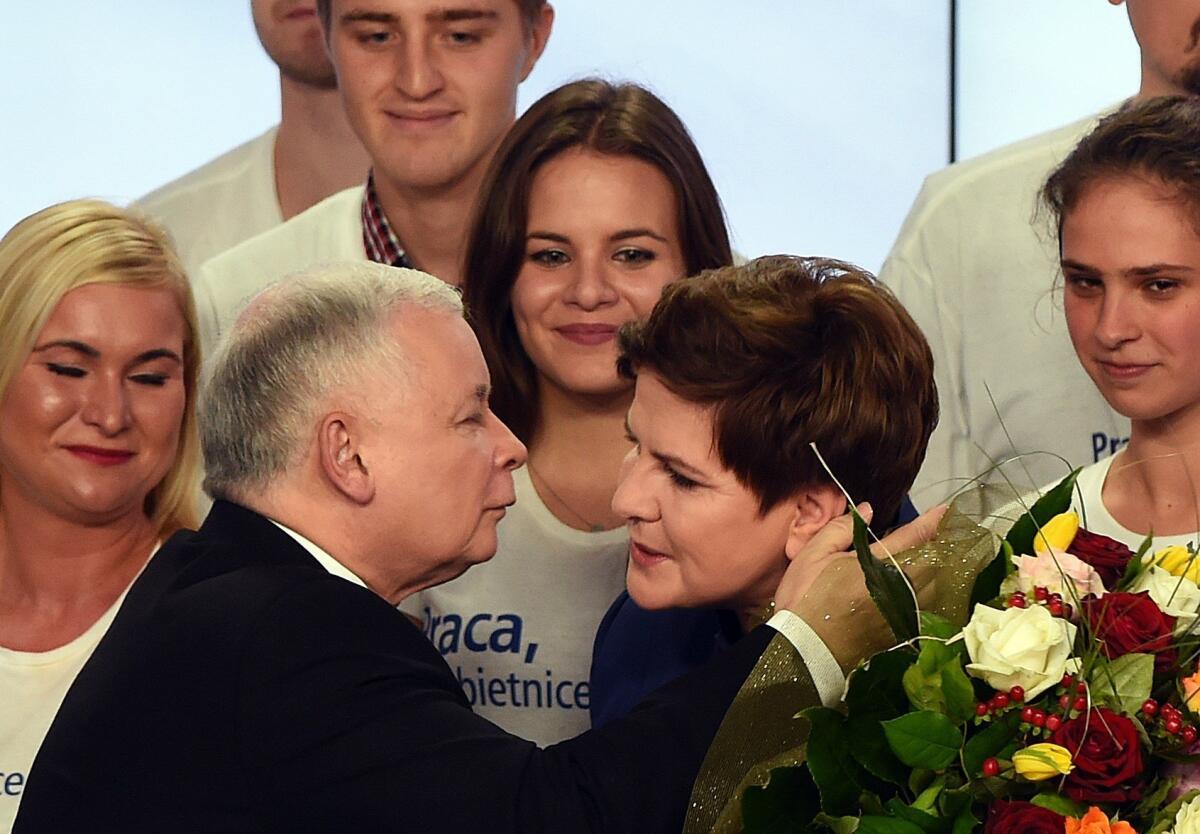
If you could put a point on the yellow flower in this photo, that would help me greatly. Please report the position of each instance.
(1057, 533)
(1191, 691)
(1042, 761)
(1177, 561)
(1096, 821)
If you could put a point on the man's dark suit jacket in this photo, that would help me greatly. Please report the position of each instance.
(242, 687)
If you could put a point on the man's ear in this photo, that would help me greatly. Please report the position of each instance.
(538, 33)
(814, 507)
(338, 450)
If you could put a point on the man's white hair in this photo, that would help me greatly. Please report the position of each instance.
(314, 332)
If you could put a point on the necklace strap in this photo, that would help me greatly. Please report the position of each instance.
(589, 525)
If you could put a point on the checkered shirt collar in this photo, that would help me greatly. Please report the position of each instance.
(380, 241)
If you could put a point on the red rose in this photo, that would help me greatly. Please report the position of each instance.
(1107, 754)
(1016, 817)
(1125, 623)
(1108, 556)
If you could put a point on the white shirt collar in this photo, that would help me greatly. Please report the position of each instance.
(326, 561)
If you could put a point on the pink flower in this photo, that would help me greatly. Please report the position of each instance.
(1058, 571)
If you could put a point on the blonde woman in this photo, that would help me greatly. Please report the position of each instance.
(98, 450)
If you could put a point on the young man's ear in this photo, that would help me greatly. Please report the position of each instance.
(339, 450)
(538, 33)
(813, 507)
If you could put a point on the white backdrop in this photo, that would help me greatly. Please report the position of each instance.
(1026, 66)
(818, 119)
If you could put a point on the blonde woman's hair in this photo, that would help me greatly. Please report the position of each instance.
(83, 242)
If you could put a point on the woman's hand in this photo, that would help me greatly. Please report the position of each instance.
(824, 585)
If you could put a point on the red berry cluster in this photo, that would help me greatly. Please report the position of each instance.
(999, 702)
(1072, 701)
(1170, 720)
(1042, 596)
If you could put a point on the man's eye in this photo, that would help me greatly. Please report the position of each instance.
(65, 370)
(374, 37)
(463, 38)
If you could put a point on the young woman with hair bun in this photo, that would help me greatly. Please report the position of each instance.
(1127, 206)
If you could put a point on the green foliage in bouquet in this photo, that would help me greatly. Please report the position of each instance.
(1048, 703)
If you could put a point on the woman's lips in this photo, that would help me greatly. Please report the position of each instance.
(588, 334)
(103, 457)
(1123, 372)
(644, 556)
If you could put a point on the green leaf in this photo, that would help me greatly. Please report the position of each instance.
(926, 822)
(989, 742)
(869, 747)
(965, 823)
(1164, 820)
(1135, 566)
(927, 799)
(887, 586)
(838, 825)
(924, 739)
(1123, 683)
(1060, 804)
(787, 803)
(935, 625)
(875, 695)
(838, 776)
(886, 825)
(937, 681)
(875, 689)
(960, 694)
(1154, 799)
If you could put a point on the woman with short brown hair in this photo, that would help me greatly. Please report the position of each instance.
(740, 372)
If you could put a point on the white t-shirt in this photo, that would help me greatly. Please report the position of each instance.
(517, 631)
(329, 231)
(221, 203)
(1099, 520)
(975, 268)
(33, 686)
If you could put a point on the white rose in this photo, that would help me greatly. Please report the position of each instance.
(1023, 647)
(1177, 596)
(1187, 820)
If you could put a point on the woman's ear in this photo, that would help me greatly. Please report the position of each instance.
(814, 508)
(339, 443)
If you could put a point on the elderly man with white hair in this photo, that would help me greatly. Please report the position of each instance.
(259, 677)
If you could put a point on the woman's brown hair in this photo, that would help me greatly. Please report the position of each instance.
(790, 351)
(1158, 140)
(616, 119)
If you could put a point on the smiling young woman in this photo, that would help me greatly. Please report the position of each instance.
(596, 200)
(1127, 205)
(98, 448)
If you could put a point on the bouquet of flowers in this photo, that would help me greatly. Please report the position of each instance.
(1068, 701)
